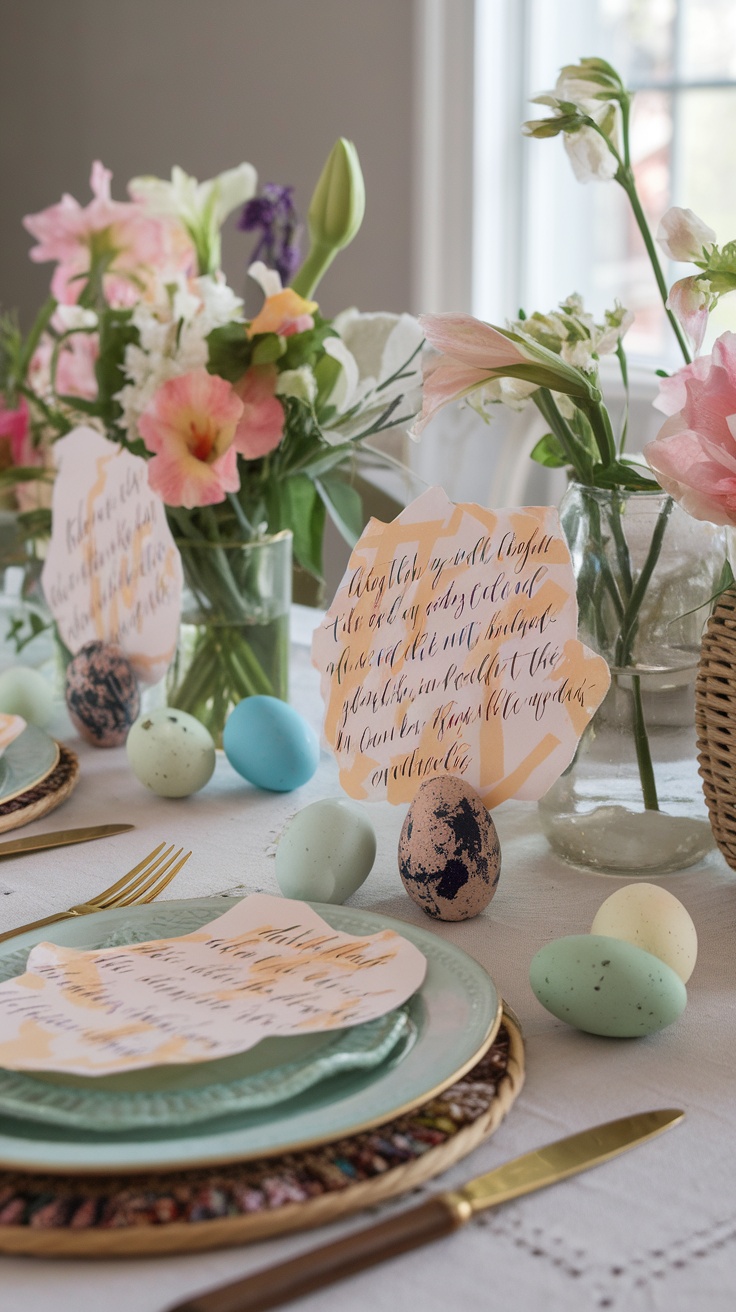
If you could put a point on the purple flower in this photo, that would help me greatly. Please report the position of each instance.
(273, 214)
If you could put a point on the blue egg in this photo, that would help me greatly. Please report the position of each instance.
(270, 744)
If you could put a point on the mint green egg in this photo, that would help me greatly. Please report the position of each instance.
(326, 851)
(606, 986)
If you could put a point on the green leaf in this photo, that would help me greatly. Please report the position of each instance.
(344, 506)
(116, 332)
(549, 452)
(25, 474)
(267, 348)
(620, 474)
(304, 513)
(229, 351)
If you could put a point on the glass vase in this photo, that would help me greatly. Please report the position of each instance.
(234, 635)
(631, 802)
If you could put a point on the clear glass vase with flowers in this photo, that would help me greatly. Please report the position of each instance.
(249, 426)
(630, 802)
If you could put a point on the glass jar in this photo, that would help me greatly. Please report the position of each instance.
(234, 636)
(631, 801)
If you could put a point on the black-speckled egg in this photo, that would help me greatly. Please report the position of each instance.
(449, 853)
(102, 694)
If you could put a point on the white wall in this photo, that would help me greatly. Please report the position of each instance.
(145, 84)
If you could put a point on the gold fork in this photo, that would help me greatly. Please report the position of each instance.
(141, 884)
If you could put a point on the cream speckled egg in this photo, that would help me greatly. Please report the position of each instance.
(652, 919)
(449, 853)
(326, 851)
(170, 752)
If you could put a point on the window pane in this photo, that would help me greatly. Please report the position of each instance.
(639, 37)
(708, 46)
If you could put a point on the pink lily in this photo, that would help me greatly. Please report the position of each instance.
(261, 426)
(190, 425)
(472, 353)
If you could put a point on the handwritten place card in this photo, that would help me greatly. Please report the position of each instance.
(451, 648)
(112, 572)
(269, 966)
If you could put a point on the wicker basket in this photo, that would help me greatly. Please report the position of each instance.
(715, 722)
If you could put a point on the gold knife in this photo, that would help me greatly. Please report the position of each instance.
(60, 838)
(434, 1219)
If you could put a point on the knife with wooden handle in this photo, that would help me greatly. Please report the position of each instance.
(434, 1219)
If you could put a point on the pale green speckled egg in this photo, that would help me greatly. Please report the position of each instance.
(170, 752)
(326, 851)
(24, 691)
(606, 986)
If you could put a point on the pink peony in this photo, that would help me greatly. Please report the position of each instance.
(136, 243)
(694, 454)
(262, 424)
(190, 425)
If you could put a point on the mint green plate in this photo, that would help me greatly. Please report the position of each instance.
(451, 1021)
(28, 760)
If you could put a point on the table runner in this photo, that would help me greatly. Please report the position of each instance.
(655, 1229)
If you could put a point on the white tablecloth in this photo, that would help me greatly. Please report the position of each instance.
(655, 1229)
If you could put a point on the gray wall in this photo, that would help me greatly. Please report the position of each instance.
(145, 84)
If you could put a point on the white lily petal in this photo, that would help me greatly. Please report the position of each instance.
(344, 393)
(268, 280)
(234, 188)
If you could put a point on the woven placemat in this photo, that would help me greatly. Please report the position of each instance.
(44, 796)
(188, 1211)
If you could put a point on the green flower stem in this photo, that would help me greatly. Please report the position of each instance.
(316, 264)
(625, 643)
(643, 754)
(574, 450)
(626, 180)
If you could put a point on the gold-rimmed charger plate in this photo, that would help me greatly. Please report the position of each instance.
(455, 1015)
(94, 1217)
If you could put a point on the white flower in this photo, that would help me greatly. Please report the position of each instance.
(683, 236)
(73, 318)
(269, 280)
(300, 383)
(380, 358)
(201, 207)
(588, 152)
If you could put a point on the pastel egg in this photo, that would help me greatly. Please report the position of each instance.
(606, 986)
(449, 853)
(102, 695)
(270, 744)
(170, 752)
(653, 919)
(326, 851)
(25, 692)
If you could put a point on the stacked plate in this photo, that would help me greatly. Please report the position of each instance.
(283, 1095)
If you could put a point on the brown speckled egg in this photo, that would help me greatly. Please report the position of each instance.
(449, 853)
(102, 694)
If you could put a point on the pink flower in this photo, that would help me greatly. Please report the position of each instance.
(471, 351)
(134, 243)
(690, 302)
(694, 454)
(190, 425)
(75, 366)
(15, 429)
(262, 424)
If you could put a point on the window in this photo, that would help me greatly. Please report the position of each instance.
(538, 233)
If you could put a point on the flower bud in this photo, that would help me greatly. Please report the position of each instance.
(335, 213)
